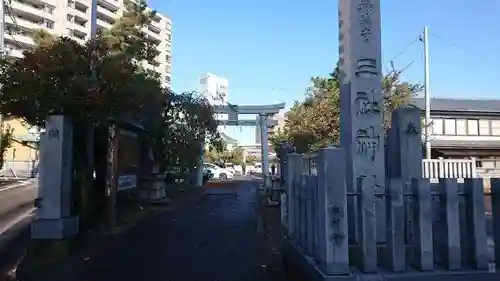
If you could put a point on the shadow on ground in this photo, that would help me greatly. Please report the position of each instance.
(217, 236)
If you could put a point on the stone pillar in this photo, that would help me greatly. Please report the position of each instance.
(54, 220)
(332, 249)
(361, 114)
(404, 155)
(291, 191)
(264, 150)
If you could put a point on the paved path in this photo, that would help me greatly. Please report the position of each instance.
(16, 201)
(213, 238)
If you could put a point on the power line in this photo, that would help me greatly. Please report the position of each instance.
(403, 50)
(460, 48)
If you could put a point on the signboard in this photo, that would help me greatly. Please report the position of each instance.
(127, 182)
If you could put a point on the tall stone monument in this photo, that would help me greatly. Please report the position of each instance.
(362, 131)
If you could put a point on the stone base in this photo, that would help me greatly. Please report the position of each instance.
(155, 190)
(293, 255)
(54, 228)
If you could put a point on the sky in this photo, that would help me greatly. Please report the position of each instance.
(269, 49)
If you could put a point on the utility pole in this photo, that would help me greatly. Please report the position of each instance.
(427, 96)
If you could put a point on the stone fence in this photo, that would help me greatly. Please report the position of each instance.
(448, 229)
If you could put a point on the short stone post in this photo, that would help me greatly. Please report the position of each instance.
(476, 236)
(422, 239)
(332, 250)
(448, 234)
(396, 253)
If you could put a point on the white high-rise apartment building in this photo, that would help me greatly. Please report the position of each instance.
(72, 18)
(216, 90)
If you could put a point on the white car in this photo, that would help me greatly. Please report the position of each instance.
(218, 172)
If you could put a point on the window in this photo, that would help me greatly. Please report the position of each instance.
(495, 127)
(71, 3)
(461, 127)
(437, 126)
(484, 127)
(70, 17)
(472, 127)
(49, 24)
(449, 127)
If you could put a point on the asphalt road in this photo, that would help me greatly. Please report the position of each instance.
(15, 202)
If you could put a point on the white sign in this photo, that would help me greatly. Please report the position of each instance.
(127, 182)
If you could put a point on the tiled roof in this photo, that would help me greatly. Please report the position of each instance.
(459, 105)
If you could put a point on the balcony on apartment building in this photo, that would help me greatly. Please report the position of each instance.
(104, 21)
(35, 8)
(105, 11)
(109, 5)
(77, 35)
(20, 36)
(79, 9)
(77, 23)
(29, 21)
(14, 50)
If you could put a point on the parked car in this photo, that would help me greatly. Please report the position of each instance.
(218, 172)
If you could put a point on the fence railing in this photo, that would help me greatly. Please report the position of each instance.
(19, 169)
(448, 225)
(449, 168)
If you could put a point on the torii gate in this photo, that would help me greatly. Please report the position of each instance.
(263, 121)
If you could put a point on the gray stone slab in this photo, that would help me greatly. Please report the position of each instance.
(367, 252)
(477, 254)
(309, 222)
(332, 250)
(422, 240)
(495, 211)
(302, 211)
(449, 235)
(395, 245)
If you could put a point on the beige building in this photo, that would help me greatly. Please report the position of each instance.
(21, 157)
(72, 18)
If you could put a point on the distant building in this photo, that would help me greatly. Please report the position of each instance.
(214, 88)
(462, 128)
